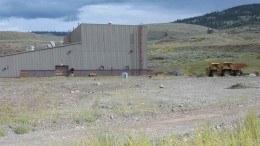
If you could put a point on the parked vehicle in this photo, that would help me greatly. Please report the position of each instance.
(225, 69)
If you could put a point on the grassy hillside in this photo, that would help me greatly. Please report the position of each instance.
(233, 17)
(173, 31)
(189, 49)
(19, 41)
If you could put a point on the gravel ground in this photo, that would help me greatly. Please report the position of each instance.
(59, 110)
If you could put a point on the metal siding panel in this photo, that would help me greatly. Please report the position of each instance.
(72, 59)
(145, 48)
(41, 60)
(38, 60)
(47, 58)
(25, 61)
(107, 47)
(11, 70)
(16, 66)
(90, 36)
(75, 57)
(58, 56)
(134, 60)
(76, 35)
(137, 49)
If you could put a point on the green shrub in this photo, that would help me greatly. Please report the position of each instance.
(88, 115)
(21, 130)
(22, 120)
(2, 133)
(6, 115)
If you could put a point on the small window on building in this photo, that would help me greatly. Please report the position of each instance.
(68, 52)
(127, 67)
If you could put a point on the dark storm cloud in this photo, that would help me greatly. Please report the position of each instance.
(201, 6)
(31, 9)
(68, 10)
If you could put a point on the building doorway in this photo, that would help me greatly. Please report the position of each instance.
(61, 70)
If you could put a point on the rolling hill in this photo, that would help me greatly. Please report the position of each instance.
(233, 17)
(189, 48)
(166, 30)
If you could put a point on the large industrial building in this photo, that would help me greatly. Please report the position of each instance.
(90, 49)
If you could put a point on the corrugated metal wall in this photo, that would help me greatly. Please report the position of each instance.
(76, 35)
(41, 60)
(112, 46)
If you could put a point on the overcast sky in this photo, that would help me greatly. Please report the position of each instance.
(63, 15)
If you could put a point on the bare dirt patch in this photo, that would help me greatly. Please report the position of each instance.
(54, 114)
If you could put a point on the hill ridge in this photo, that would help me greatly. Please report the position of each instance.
(233, 17)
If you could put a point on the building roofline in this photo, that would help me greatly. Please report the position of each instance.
(113, 24)
(17, 53)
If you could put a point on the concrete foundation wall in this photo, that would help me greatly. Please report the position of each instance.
(37, 73)
(84, 73)
(111, 72)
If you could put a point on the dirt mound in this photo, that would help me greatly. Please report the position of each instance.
(238, 86)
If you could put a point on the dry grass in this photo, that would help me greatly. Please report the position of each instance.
(189, 48)
(120, 107)
(246, 132)
(19, 41)
(54, 103)
(2, 132)
(160, 31)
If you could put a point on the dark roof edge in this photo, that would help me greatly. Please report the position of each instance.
(114, 24)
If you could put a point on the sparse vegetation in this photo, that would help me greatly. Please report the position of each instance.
(232, 100)
(121, 107)
(2, 132)
(246, 132)
(21, 130)
(190, 51)
(12, 42)
(88, 115)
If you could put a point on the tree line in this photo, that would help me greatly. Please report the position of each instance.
(233, 17)
(56, 33)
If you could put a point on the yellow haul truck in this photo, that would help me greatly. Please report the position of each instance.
(225, 69)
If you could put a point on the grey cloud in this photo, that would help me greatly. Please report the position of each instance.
(68, 10)
(32, 9)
